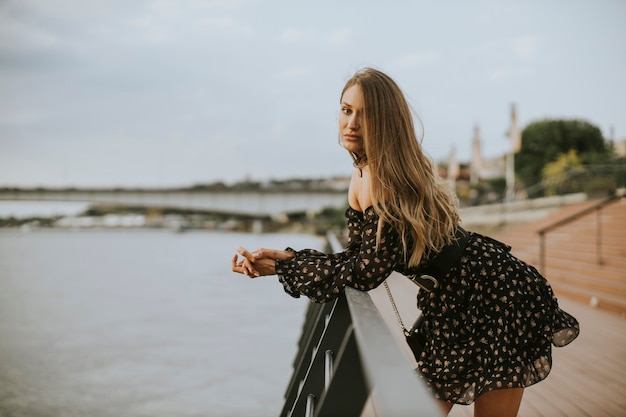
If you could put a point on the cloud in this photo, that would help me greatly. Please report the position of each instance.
(334, 37)
(149, 30)
(508, 73)
(339, 36)
(298, 72)
(227, 23)
(414, 60)
(278, 131)
(222, 79)
(10, 116)
(525, 47)
(515, 58)
(16, 34)
(290, 35)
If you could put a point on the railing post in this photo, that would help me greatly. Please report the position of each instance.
(310, 405)
(588, 211)
(328, 367)
(599, 235)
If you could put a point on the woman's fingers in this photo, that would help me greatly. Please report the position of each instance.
(260, 262)
(246, 254)
(262, 267)
(248, 269)
(244, 266)
(246, 263)
(235, 265)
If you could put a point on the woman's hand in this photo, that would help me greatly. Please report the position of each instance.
(275, 254)
(261, 262)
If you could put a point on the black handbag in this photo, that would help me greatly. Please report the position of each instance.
(415, 338)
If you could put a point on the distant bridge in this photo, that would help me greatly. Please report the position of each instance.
(255, 203)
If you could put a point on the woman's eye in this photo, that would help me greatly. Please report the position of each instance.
(346, 110)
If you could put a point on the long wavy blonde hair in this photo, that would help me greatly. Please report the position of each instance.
(406, 191)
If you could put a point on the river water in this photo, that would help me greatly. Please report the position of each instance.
(142, 323)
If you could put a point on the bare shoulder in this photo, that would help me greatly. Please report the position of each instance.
(353, 190)
(359, 195)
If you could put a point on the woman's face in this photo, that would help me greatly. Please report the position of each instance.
(350, 120)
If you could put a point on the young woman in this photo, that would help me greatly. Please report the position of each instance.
(491, 320)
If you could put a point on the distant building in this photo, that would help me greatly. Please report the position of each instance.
(620, 148)
(484, 169)
(476, 163)
(454, 168)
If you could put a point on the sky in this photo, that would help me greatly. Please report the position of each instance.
(168, 93)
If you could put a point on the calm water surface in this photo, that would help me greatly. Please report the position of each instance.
(142, 323)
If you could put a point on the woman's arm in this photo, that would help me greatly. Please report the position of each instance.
(262, 261)
(362, 265)
(322, 277)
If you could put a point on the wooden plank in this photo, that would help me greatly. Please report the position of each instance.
(549, 405)
(531, 409)
(588, 376)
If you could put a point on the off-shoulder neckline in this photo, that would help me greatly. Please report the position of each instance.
(370, 208)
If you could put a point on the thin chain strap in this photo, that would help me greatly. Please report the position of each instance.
(395, 308)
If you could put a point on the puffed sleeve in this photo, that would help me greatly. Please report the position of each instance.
(322, 277)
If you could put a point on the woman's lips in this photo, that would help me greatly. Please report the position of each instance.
(352, 138)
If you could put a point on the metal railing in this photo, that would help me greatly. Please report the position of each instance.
(590, 179)
(347, 355)
(597, 208)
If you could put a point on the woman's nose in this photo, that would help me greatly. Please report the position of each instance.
(353, 122)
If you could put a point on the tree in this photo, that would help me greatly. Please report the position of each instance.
(555, 173)
(543, 141)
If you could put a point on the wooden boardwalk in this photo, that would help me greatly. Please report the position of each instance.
(588, 378)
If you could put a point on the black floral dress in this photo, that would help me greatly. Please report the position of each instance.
(489, 325)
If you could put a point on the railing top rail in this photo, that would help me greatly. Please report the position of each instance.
(576, 172)
(579, 214)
